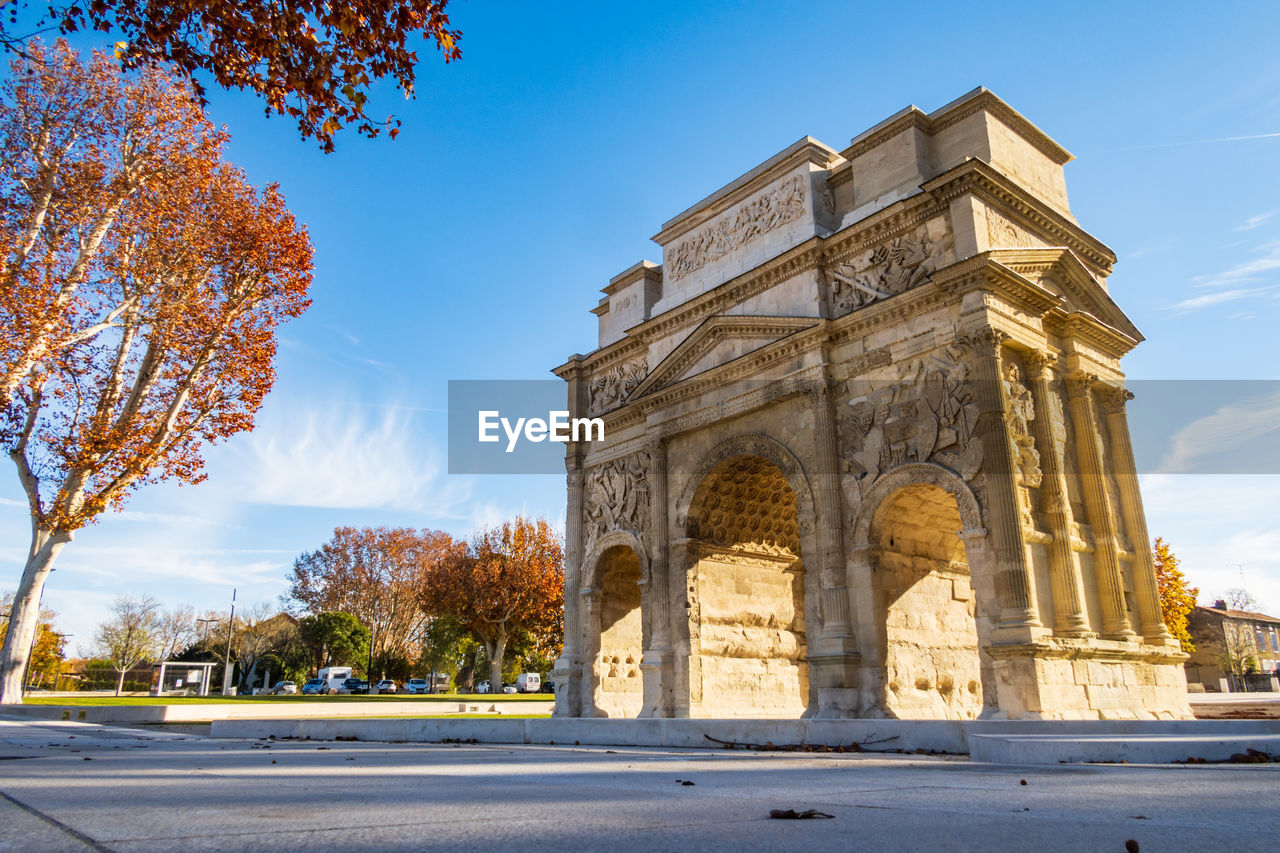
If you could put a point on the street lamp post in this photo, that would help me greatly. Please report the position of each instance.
(226, 663)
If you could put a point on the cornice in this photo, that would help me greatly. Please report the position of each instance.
(993, 186)
(904, 120)
(806, 150)
(982, 99)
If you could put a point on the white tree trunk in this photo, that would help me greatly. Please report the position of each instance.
(24, 617)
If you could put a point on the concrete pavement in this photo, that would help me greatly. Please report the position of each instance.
(151, 791)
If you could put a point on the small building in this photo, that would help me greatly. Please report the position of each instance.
(1236, 650)
(181, 677)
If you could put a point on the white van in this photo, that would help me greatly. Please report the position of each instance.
(528, 682)
(333, 676)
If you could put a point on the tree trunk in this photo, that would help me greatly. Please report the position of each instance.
(496, 652)
(119, 682)
(24, 619)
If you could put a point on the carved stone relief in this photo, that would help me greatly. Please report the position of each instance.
(1002, 233)
(884, 271)
(617, 497)
(733, 230)
(610, 389)
(1019, 412)
(927, 414)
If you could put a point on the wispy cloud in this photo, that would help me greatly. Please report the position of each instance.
(1227, 428)
(1245, 270)
(1208, 299)
(337, 456)
(1254, 221)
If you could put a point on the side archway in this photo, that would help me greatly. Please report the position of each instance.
(919, 531)
(616, 572)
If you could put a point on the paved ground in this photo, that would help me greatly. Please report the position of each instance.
(75, 786)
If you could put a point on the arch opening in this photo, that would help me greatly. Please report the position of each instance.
(928, 607)
(619, 688)
(746, 593)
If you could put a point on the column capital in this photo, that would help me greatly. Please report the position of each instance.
(1079, 383)
(985, 342)
(1039, 364)
(1113, 398)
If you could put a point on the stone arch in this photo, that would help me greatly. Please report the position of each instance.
(744, 582)
(920, 531)
(752, 444)
(927, 473)
(615, 575)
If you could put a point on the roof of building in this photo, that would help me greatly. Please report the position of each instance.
(1240, 614)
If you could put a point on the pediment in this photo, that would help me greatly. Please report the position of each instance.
(717, 341)
(1062, 274)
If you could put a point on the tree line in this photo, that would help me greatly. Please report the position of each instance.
(391, 602)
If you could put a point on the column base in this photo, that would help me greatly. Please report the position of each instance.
(658, 672)
(567, 674)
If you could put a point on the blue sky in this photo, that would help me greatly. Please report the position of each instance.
(537, 167)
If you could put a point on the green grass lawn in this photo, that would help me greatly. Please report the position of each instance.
(468, 698)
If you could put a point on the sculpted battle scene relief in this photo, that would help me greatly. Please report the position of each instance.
(874, 463)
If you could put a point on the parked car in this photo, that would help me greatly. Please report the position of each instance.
(528, 682)
(386, 685)
(354, 685)
(509, 688)
(548, 686)
(482, 687)
(315, 685)
(283, 688)
(417, 685)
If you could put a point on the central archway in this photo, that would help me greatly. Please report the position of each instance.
(746, 593)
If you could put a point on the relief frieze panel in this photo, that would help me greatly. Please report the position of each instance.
(617, 498)
(888, 269)
(927, 413)
(610, 389)
(785, 203)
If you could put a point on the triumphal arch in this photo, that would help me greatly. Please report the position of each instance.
(866, 451)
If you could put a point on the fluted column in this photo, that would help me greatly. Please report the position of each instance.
(1150, 617)
(1012, 575)
(835, 593)
(1097, 502)
(590, 653)
(567, 670)
(1069, 617)
(656, 663)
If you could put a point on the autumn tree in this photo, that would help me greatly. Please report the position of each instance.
(376, 575)
(310, 60)
(193, 274)
(130, 636)
(1177, 597)
(509, 580)
(48, 650)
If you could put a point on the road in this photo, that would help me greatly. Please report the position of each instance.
(77, 786)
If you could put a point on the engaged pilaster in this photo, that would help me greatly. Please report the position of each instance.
(1150, 617)
(655, 665)
(1012, 575)
(1069, 618)
(1097, 502)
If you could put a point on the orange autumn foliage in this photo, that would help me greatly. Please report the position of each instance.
(310, 60)
(145, 281)
(509, 580)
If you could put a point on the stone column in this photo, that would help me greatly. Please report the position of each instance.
(685, 617)
(655, 666)
(589, 668)
(1106, 561)
(1018, 617)
(833, 655)
(1069, 619)
(567, 670)
(1150, 617)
